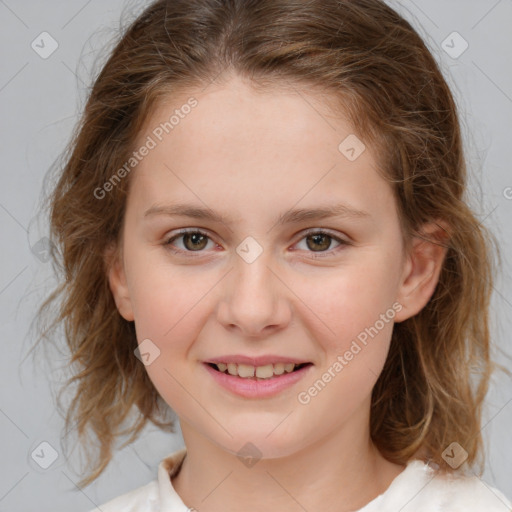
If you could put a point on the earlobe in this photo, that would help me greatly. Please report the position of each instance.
(117, 282)
(422, 269)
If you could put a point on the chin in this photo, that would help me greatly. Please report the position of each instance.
(260, 446)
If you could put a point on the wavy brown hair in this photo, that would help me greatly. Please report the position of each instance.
(366, 55)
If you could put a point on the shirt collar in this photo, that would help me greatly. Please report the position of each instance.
(170, 501)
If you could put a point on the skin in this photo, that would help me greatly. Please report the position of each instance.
(251, 156)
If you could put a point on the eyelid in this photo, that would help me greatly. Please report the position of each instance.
(324, 231)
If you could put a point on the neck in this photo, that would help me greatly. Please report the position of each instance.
(342, 472)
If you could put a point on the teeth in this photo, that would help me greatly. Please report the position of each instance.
(244, 370)
(263, 372)
(278, 368)
(247, 371)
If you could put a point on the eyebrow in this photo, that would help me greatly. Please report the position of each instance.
(288, 217)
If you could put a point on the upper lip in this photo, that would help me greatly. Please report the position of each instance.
(256, 360)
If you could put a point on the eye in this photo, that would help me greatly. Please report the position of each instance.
(194, 240)
(319, 242)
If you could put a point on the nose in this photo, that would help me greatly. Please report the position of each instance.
(255, 300)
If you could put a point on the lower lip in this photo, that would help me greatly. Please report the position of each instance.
(249, 388)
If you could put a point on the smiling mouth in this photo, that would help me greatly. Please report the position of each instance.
(246, 371)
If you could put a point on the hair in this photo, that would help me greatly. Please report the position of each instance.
(386, 81)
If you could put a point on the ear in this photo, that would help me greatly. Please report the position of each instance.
(117, 282)
(422, 268)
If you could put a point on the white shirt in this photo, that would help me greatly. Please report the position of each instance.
(418, 488)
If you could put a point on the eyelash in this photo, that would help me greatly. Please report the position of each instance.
(320, 254)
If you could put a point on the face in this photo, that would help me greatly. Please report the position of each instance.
(259, 281)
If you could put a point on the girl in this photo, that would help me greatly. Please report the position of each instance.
(263, 228)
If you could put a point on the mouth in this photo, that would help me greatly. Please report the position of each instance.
(257, 373)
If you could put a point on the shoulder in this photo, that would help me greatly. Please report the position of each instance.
(469, 493)
(142, 499)
(421, 488)
(156, 496)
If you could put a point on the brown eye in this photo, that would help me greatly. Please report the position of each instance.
(319, 241)
(318, 244)
(192, 241)
(195, 241)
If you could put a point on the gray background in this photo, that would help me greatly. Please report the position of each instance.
(40, 100)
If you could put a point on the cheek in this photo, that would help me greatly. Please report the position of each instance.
(166, 306)
(356, 310)
(351, 301)
(161, 293)
(171, 315)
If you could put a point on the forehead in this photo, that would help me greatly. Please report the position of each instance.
(286, 143)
